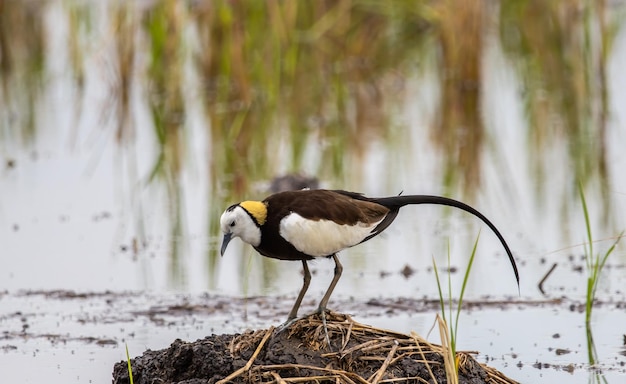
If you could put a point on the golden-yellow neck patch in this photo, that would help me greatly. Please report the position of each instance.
(257, 209)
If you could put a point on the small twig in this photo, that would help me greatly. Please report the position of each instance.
(404, 379)
(347, 338)
(277, 377)
(410, 354)
(499, 378)
(347, 376)
(367, 344)
(411, 349)
(251, 361)
(383, 368)
(371, 358)
(380, 345)
(546, 278)
(430, 371)
(307, 379)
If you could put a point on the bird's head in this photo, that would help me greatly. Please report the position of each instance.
(243, 220)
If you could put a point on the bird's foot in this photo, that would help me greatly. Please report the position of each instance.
(322, 313)
(284, 326)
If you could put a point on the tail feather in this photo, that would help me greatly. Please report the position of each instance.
(396, 202)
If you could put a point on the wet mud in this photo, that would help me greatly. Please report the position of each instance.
(357, 353)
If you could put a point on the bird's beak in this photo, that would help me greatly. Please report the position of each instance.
(227, 237)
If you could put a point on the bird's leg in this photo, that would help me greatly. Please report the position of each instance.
(322, 307)
(294, 311)
(331, 287)
(305, 286)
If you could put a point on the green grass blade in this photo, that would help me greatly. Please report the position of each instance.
(465, 280)
(130, 369)
(589, 249)
(595, 265)
(441, 303)
(452, 339)
(610, 250)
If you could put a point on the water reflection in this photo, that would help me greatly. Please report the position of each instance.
(201, 108)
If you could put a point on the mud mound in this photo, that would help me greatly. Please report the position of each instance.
(357, 354)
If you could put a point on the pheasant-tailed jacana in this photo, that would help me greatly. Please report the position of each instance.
(303, 225)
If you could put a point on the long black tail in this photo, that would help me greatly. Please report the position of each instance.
(396, 202)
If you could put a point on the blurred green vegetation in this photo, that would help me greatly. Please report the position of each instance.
(561, 50)
(285, 74)
(326, 70)
(22, 63)
(297, 70)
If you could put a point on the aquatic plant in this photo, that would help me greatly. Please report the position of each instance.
(130, 368)
(449, 331)
(595, 264)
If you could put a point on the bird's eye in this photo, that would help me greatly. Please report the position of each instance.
(232, 223)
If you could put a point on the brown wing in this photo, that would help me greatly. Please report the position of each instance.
(321, 204)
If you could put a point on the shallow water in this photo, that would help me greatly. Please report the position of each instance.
(78, 338)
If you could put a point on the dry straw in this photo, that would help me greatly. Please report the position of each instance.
(355, 348)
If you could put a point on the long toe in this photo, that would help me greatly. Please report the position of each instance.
(323, 316)
(284, 326)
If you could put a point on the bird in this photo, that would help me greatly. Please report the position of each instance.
(318, 223)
